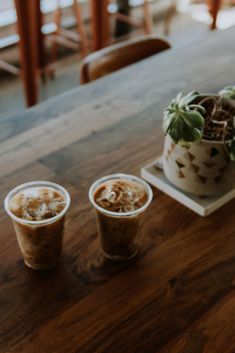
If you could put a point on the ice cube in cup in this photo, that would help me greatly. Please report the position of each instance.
(38, 210)
(120, 201)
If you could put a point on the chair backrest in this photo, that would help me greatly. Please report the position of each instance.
(118, 56)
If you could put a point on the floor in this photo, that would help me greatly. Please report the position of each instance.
(184, 31)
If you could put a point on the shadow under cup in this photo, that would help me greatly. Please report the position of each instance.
(120, 232)
(41, 241)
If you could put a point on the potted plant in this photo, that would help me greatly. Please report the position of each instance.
(200, 143)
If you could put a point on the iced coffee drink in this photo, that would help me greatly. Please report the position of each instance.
(38, 210)
(120, 201)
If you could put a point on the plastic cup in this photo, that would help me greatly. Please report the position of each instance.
(120, 232)
(40, 241)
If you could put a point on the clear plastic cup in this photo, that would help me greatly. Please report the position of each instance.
(120, 232)
(40, 241)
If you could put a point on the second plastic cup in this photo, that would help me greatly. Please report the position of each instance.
(40, 241)
(120, 232)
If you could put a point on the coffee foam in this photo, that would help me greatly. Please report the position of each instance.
(37, 203)
(121, 196)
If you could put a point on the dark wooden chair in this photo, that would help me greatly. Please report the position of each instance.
(118, 56)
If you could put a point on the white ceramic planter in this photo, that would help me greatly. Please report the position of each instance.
(202, 168)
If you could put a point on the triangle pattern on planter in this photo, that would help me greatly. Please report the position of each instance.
(213, 152)
(195, 167)
(202, 178)
(180, 164)
(181, 174)
(191, 156)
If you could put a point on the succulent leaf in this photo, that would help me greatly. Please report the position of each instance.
(194, 119)
(188, 98)
(183, 121)
(197, 107)
(228, 92)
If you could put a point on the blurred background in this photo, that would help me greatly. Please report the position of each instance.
(68, 37)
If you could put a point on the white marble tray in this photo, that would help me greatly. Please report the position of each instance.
(203, 206)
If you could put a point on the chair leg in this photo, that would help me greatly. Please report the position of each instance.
(100, 23)
(148, 19)
(123, 21)
(81, 29)
(54, 44)
(214, 7)
(41, 47)
(27, 28)
(168, 18)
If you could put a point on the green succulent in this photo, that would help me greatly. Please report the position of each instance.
(228, 92)
(183, 120)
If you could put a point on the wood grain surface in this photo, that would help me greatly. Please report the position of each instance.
(178, 294)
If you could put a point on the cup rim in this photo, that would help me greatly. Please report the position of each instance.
(98, 182)
(31, 184)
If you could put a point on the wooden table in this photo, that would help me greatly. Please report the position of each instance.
(31, 40)
(178, 294)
